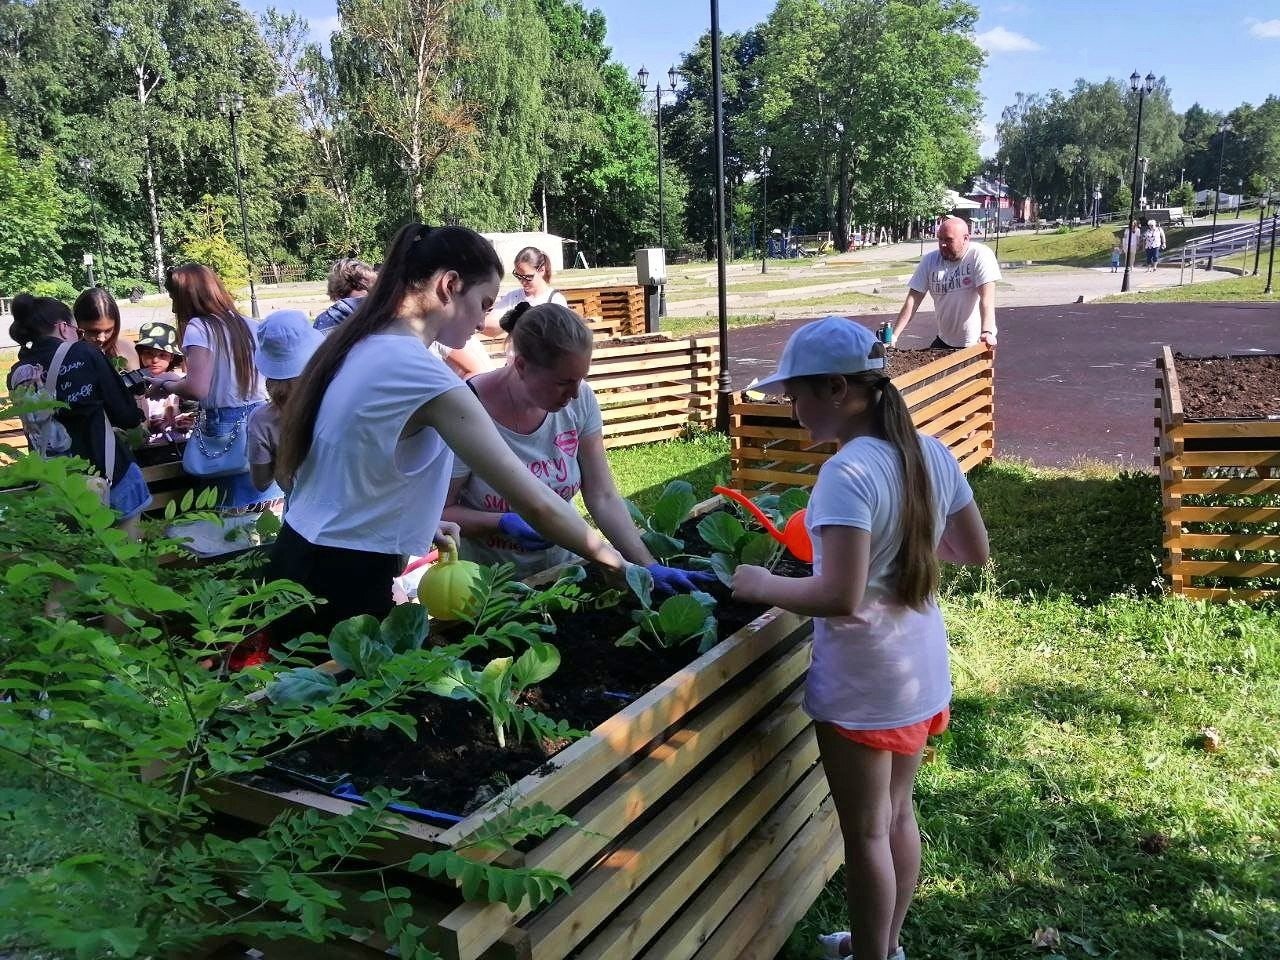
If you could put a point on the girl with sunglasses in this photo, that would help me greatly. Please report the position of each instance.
(533, 273)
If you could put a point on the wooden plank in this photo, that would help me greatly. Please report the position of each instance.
(1173, 412)
(957, 396)
(1224, 487)
(681, 877)
(476, 925)
(1228, 458)
(787, 731)
(979, 456)
(964, 419)
(585, 761)
(783, 455)
(1230, 429)
(750, 431)
(937, 388)
(703, 921)
(1225, 515)
(1224, 568)
(796, 479)
(1228, 541)
(793, 880)
(634, 440)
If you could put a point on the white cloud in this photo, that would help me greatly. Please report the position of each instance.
(1264, 29)
(1015, 8)
(322, 27)
(1000, 40)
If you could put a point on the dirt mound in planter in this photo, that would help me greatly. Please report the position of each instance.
(1229, 387)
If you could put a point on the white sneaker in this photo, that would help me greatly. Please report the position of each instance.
(832, 945)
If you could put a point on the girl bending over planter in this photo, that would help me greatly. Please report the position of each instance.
(549, 417)
(370, 429)
(888, 505)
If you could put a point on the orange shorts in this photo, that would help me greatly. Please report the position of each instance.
(907, 740)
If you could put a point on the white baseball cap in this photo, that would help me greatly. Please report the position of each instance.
(286, 341)
(834, 345)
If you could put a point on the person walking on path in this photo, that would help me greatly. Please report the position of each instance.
(887, 507)
(1153, 241)
(961, 277)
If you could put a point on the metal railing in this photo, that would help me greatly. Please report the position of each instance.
(1228, 242)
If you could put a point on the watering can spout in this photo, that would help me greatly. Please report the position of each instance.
(794, 535)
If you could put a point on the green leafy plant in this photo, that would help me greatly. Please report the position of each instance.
(733, 543)
(498, 687)
(679, 619)
(659, 526)
(116, 692)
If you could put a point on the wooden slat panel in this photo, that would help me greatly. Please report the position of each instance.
(1225, 515)
(798, 478)
(981, 455)
(1230, 429)
(965, 357)
(1221, 595)
(1222, 487)
(572, 919)
(1227, 458)
(977, 386)
(476, 925)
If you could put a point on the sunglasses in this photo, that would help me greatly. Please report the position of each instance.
(523, 277)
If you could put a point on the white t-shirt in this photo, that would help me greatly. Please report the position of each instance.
(551, 454)
(361, 486)
(509, 300)
(886, 665)
(223, 388)
(954, 288)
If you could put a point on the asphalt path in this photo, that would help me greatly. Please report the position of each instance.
(1073, 382)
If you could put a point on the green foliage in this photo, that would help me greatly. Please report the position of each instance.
(205, 241)
(58, 289)
(115, 681)
(658, 528)
(31, 218)
(677, 620)
(733, 543)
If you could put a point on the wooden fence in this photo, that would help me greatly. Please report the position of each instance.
(1220, 499)
(952, 398)
(705, 825)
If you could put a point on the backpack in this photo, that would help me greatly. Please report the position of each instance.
(45, 434)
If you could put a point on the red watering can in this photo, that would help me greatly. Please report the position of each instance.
(793, 535)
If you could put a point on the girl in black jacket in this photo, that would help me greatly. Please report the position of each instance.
(96, 397)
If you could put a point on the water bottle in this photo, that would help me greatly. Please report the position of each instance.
(885, 333)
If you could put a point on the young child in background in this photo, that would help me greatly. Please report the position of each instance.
(1115, 257)
(887, 506)
(286, 341)
(158, 353)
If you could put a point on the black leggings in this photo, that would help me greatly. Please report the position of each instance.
(351, 581)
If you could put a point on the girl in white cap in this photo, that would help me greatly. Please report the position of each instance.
(887, 506)
(286, 341)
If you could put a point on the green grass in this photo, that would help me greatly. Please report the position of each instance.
(1236, 288)
(850, 299)
(687, 326)
(1082, 247)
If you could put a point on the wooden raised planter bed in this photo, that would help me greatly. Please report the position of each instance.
(1220, 498)
(623, 305)
(951, 398)
(705, 825)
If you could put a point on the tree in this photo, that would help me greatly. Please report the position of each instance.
(30, 219)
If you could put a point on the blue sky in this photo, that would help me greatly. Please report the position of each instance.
(1219, 54)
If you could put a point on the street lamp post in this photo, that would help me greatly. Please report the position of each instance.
(86, 168)
(233, 106)
(999, 195)
(765, 153)
(1141, 86)
(1271, 255)
(642, 81)
(1097, 204)
(723, 389)
(1223, 129)
(1142, 183)
(1239, 196)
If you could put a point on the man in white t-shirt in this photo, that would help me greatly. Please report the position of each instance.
(961, 277)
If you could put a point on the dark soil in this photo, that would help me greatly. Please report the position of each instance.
(1234, 388)
(455, 764)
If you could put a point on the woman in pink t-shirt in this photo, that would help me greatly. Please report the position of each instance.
(887, 506)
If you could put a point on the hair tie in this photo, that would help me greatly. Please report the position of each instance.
(422, 232)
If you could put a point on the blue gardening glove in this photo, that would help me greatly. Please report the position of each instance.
(513, 527)
(670, 580)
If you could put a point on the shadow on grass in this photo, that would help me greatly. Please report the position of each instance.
(1052, 534)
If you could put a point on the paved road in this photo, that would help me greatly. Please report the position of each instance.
(1072, 382)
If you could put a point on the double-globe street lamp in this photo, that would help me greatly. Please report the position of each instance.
(1223, 129)
(233, 106)
(642, 82)
(1141, 86)
(85, 166)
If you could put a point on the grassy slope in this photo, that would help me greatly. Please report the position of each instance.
(1235, 288)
